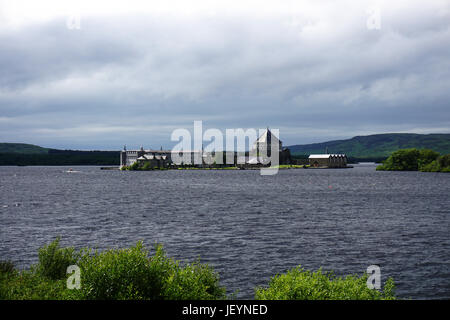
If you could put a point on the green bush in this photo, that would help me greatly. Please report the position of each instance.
(132, 274)
(54, 260)
(46, 280)
(112, 274)
(193, 282)
(134, 166)
(146, 166)
(29, 285)
(431, 167)
(135, 274)
(6, 267)
(299, 284)
(123, 273)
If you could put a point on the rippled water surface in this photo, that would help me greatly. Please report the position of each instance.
(247, 226)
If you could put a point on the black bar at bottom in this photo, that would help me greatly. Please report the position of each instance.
(228, 309)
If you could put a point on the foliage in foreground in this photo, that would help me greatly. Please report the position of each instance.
(54, 260)
(112, 274)
(416, 160)
(133, 273)
(300, 284)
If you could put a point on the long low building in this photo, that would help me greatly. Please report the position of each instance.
(158, 158)
(328, 160)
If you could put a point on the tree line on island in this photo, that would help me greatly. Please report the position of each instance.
(413, 159)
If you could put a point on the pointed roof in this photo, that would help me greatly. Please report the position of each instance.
(267, 137)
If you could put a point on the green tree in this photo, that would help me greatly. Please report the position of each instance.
(405, 159)
(441, 164)
(409, 160)
(426, 156)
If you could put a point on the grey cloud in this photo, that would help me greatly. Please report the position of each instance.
(152, 74)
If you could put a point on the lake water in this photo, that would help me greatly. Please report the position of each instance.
(248, 227)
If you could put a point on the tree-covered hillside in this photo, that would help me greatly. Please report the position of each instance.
(22, 148)
(377, 145)
(20, 154)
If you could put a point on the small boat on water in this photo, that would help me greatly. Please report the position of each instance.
(71, 171)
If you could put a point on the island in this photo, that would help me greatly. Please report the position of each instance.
(413, 159)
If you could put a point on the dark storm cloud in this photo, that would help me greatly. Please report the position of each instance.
(315, 74)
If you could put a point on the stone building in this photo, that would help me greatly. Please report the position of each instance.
(158, 158)
(263, 144)
(154, 159)
(328, 160)
(262, 149)
(199, 158)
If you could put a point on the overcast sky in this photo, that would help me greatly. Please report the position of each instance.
(101, 74)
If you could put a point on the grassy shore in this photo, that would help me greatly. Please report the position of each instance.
(292, 166)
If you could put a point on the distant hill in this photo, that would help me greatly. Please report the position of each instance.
(371, 148)
(21, 154)
(22, 148)
(377, 145)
